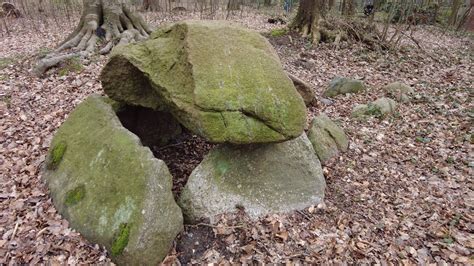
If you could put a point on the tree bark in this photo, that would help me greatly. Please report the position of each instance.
(110, 20)
(309, 18)
(348, 7)
(454, 12)
(233, 5)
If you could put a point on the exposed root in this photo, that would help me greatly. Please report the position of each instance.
(9, 10)
(119, 26)
(50, 61)
(335, 30)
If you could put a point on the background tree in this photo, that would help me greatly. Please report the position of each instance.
(453, 17)
(348, 7)
(309, 18)
(110, 20)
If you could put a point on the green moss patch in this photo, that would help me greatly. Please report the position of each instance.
(373, 110)
(75, 195)
(121, 240)
(116, 106)
(6, 61)
(71, 65)
(278, 32)
(56, 155)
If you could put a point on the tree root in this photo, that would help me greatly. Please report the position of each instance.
(335, 30)
(119, 26)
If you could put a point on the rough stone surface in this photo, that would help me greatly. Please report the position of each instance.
(377, 108)
(342, 86)
(110, 188)
(261, 178)
(360, 111)
(386, 105)
(328, 139)
(222, 82)
(304, 89)
(399, 91)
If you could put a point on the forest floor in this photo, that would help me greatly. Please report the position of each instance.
(403, 193)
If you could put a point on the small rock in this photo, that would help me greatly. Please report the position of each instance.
(326, 101)
(341, 85)
(386, 105)
(304, 89)
(399, 91)
(377, 108)
(328, 139)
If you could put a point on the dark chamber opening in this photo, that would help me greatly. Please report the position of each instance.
(180, 149)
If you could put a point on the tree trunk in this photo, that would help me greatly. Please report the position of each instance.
(233, 5)
(309, 18)
(467, 18)
(331, 4)
(146, 5)
(110, 20)
(454, 12)
(348, 7)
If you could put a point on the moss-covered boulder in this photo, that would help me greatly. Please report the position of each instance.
(399, 91)
(341, 85)
(328, 139)
(223, 82)
(261, 178)
(110, 188)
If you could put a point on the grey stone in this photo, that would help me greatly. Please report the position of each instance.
(328, 139)
(341, 85)
(399, 91)
(261, 178)
(304, 89)
(386, 105)
(378, 108)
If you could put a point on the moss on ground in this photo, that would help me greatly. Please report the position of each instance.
(56, 155)
(71, 65)
(373, 110)
(75, 195)
(121, 240)
(43, 51)
(7, 99)
(5, 61)
(278, 32)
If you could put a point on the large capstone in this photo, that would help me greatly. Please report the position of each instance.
(261, 178)
(110, 188)
(223, 82)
